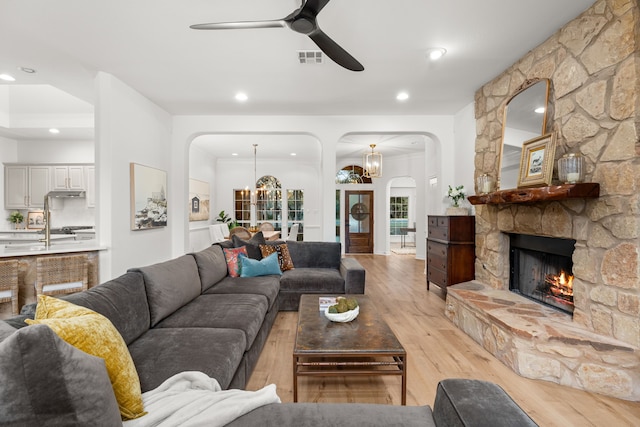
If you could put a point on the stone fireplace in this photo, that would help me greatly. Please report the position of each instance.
(593, 63)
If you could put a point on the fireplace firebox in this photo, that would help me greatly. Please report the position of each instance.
(541, 269)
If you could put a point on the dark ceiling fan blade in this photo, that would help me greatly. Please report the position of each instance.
(279, 23)
(314, 6)
(335, 52)
(303, 21)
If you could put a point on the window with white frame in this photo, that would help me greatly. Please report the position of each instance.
(399, 214)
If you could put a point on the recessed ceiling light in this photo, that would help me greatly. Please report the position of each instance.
(241, 96)
(7, 78)
(54, 130)
(402, 96)
(234, 154)
(539, 110)
(436, 53)
(27, 70)
(293, 154)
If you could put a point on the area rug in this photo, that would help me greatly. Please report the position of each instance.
(404, 251)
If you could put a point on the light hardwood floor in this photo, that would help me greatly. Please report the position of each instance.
(436, 349)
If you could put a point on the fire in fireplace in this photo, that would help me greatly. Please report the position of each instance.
(540, 269)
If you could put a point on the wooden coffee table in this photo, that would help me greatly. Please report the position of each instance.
(365, 346)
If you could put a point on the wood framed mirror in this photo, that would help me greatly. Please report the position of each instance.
(525, 117)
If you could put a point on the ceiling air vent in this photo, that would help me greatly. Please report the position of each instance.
(310, 56)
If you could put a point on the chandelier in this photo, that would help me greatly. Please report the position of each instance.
(372, 163)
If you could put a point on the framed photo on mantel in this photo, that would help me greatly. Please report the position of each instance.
(536, 163)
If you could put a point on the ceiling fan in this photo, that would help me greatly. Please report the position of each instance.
(303, 21)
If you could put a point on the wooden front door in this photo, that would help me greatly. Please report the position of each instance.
(359, 222)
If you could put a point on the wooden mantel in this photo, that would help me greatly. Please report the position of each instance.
(538, 194)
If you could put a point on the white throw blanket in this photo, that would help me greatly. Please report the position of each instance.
(193, 399)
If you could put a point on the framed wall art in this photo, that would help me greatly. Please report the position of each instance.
(35, 220)
(148, 197)
(198, 200)
(536, 163)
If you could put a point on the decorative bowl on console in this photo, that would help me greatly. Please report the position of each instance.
(347, 316)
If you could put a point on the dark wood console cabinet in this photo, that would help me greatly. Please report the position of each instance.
(450, 250)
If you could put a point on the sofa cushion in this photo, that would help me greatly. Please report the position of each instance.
(122, 300)
(234, 311)
(6, 329)
(312, 280)
(94, 334)
(212, 266)
(284, 258)
(335, 414)
(164, 352)
(252, 245)
(269, 286)
(170, 285)
(315, 254)
(268, 265)
(232, 256)
(45, 382)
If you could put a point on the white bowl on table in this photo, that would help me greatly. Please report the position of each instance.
(347, 316)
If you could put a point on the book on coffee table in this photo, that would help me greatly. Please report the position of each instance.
(325, 302)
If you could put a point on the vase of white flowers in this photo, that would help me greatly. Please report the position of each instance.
(456, 194)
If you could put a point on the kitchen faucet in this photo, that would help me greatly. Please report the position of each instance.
(47, 223)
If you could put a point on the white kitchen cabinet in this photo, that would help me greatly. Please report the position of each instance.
(68, 177)
(90, 174)
(25, 186)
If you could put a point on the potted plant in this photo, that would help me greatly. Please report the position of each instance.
(223, 217)
(16, 219)
(456, 194)
(226, 219)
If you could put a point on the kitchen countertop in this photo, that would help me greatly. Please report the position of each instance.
(32, 238)
(57, 247)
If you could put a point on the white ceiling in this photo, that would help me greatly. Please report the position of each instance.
(148, 44)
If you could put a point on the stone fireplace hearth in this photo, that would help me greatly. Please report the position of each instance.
(593, 64)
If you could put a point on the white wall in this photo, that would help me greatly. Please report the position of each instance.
(8, 153)
(130, 128)
(326, 129)
(62, 151)
(203, 169)
(465, 142)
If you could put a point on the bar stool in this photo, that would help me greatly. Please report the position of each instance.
(62, 274)
(9, 283)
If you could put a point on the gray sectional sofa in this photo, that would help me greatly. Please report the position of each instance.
(185, 314)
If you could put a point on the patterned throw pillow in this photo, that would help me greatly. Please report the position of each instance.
(232, 256)
(284, 258)
(94, 334)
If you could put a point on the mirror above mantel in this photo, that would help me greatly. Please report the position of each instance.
(525, 117)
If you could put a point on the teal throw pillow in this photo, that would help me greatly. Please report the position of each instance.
(264, 267)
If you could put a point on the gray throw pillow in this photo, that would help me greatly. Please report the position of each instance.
(253, 244)
(46, 381)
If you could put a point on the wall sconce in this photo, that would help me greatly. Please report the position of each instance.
(372, 163)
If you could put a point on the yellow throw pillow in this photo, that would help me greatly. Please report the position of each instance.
(94, 334)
